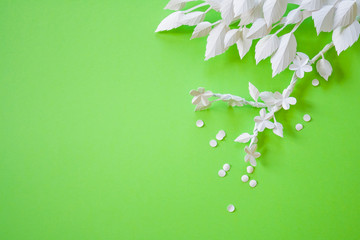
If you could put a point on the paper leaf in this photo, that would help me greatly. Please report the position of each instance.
(170, 22)
(285, 53)
(243, 44)
(258, 29)
(265, 47)
(278, 129)
(254, 92)
(215, 41)
(192, 18)
(227, 11)
(324, 68)
(293, 17)
(274, 10)
(311, 5)
(345, 37)
(176, 4)
(243, 6)
(215, 4)
(243, 138)
(232, 37)
(345, 13)
(251, 15)
(201, 30)
(324, 19)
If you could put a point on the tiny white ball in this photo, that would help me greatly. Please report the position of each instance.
(231, 208)
(199, 123)
(250, 169)
(299, 126)
(244, 178)
(221, 173)
(315, 82)
(213, 143)
(221, 134)
(226, 167)
(307, 118)
(253, 183)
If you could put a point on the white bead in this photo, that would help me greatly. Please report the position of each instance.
(315, 82)
(199, 123)
(253, 183)
(307, 118)
(299, 126)
(226, 167)
(221, 173)
(244, 178)
(221, 134)
(250, 169)
(231, 208)
(213, 143)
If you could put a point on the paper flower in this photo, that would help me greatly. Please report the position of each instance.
(262, 121)
(286, 100)
(251, 155)
(300, 65)
(201, 98)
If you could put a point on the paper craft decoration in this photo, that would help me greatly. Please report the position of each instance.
(259, 19)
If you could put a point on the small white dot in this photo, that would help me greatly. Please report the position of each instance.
(315, 82)
(221, 173)
(250, 169)
(221, 134)
(213, 143)
(307, 118)
(244, 178)
(231, 208)
(253, 183)
(199, 123)
(299, 126)
(226, 167)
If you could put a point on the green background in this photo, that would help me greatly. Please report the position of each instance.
(98, 136)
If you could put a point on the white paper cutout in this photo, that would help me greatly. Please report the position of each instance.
(201, 30)
(315, 82)
(192, 19)
(285, 53)
(346, 37)
(266, 47)
(243, 138)
(311, 5)
(243, 44)
(250, 169)
(324, 19)
(262, 121)
(231, 208)
(170, 22)
(299, 126)
(253, 183)
(300, 65)
(201, 98)
(232, 37)
(215, 41)
(345, 13)
(244, 178)
(274, 10)
(258, 29)
(324, 68)
(251, 154)
(254, 92)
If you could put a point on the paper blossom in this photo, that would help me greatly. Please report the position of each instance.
(251, 154)
(267, 25)
(300, 65)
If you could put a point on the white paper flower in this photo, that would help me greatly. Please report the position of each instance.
(201, 98)
(300, 65)
(262, 121)
(286, 100)
(232, 100)
(251, 155)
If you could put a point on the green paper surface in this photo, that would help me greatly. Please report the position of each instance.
(98, 137)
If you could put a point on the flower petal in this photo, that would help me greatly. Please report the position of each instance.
(291, 100)
(269, 124)
(247, 150)
(253, 161)
(285, 105)
(196, 100)
(307, 68)
(300, 73)
(247, 157)
(256, 154)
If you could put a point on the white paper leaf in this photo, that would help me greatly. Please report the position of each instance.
(324, 19)
(345, 37)
(345, 13)
(243, 44)
(176, 4)
(324, 68)
(258, 29)
(170, 22)
(251, 15)
(278, 129)
(227, 11)
(243, 138)
(265, 47)
(311, 5)
(201, 30)
(215, 4)
(285, 53)
(274, 10)
(254, 92)
(192, 18)
(215, 41)
(294, 16)
(232, 37)
(243, 6)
